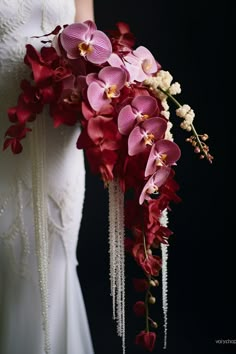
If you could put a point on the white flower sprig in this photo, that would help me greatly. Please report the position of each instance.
(162, 87)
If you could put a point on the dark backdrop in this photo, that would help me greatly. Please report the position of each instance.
(188, 39)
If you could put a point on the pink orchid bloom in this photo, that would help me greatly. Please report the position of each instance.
(163, 153)
(146, 134)
(83, 39)
(154, 183)
(140, 109)
(140, 64)
(115, 60)
(105, 86)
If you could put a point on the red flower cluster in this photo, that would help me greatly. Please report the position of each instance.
(98, 81)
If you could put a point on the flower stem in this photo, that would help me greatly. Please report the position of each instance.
(145, 246)
(170, 96)
(148, 289)
(178, 104)
(147, 305)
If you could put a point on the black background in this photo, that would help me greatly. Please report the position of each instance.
(188, 39)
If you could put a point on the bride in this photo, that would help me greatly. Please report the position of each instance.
(41, 202)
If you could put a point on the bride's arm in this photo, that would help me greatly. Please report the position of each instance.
(84, 10)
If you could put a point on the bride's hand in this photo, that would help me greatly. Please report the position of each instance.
(84, 10)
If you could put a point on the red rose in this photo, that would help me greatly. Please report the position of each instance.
(146, 340)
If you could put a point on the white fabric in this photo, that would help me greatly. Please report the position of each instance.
(20, 312)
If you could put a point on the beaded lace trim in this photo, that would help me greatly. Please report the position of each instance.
(39, 194)
(164, 251)
(117, 256)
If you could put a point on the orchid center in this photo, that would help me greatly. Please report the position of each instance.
(142, 117)
(146, 65)
(84, 48)
(153, 189)
(149, 139)
(161, 159)
(111, 91)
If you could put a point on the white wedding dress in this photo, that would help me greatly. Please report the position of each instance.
(20, 302)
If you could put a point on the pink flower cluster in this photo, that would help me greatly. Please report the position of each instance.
(96, 80)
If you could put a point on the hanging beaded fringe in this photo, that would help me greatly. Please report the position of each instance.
(117, 256)
(40, 218)
(164, 251)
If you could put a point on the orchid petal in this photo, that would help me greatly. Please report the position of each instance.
(123, 27)
(151, 163)
(161, 175)
(91, 78)
(156, 180)
(91, 28)
(71, 36)
(96, 96)
(113, 76)
(135, 142)
(101, 48)
(96, 128)
(145, 104)
(132, 59)
(156, 126)
(134, 69)
(126, 120)
(150, 130)
(146, 56)
(102, 131)
(115, 61)
(163, 147)
(169, 148)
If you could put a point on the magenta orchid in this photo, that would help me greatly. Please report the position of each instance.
(83, 39)
(140, 64)
(163, 153)
(146, 134)
(154, 183)
(140, 109)
(105, 86)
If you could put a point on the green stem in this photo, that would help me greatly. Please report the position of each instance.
(148, 289)
(199, 143)
(145, 246)
(170, 96)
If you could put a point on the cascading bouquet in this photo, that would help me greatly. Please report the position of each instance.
(119, 95)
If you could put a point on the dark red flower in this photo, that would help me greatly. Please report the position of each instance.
(28, 106)
(122, 39)
(63, 113)
(42, 72)
(14, 134)
(104, 133)
(139, 309)
(102, 162)
(163, 234)
(146, 340)
(140, 285)
(150, 264)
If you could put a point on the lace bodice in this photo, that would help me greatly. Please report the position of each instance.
(19, 20)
